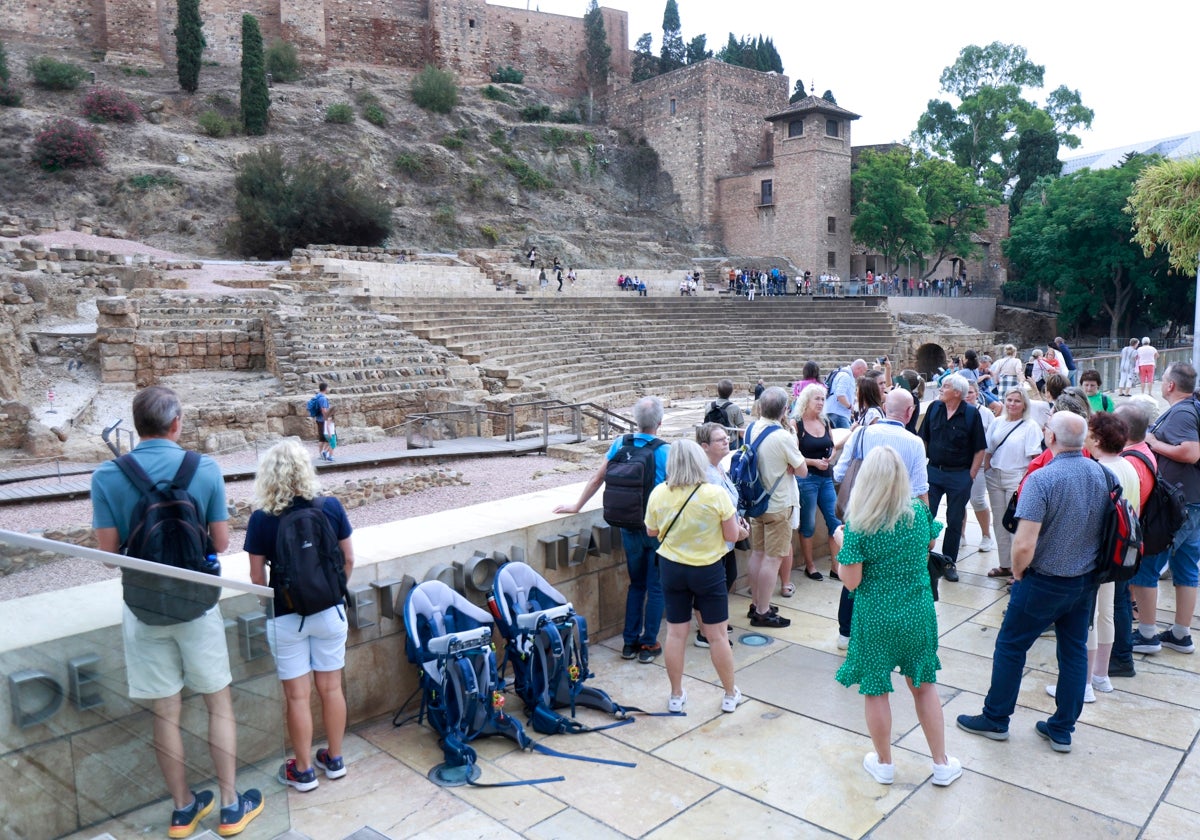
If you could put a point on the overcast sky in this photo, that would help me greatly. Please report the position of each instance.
(883, 59)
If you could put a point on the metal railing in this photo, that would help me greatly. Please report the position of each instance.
(418, 427)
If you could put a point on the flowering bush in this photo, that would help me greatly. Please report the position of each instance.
(103, 104)
(65, 144)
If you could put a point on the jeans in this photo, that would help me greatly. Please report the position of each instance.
(816, 491)
(956, 487)
(1037, 601)
(1183, 556)
(644, 602)
(1122, 649)
(838, 421)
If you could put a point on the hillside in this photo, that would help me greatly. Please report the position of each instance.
(477, 177)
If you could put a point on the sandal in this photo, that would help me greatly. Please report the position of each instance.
(814, 575)
(787, 590)
(999, 572)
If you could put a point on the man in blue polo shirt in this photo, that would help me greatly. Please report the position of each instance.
(843, 394)
(644, 601)
(162, 658)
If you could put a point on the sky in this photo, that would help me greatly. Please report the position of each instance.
(882, 60)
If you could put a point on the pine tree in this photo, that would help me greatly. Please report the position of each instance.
(598, 53)
(645, 64)
(189, 44)
(255, 101)
(672, 53)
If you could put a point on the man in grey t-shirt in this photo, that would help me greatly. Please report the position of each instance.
(1061, 510)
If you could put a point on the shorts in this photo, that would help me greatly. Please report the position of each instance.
(320, 645)
(771, 533)
(161, 660)
(321, 431)
(694, 587)
(1146, 374)
(1183, 556)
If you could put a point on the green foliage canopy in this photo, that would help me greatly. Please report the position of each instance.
(597, 52)
(889, 213)
(255, 102)
(435, 90)
(672, 54)
(1165, 205)
(645, 63)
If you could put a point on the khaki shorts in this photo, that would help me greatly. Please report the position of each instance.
(771, 533)
(161, 660)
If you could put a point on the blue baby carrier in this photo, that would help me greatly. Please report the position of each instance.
(546, 642)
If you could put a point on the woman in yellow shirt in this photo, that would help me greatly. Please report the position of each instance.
(693, 520)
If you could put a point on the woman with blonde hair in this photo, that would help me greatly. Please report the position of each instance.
(884, 560)
(816, 489)
(1009, 372)
(1013, 440)
(694, 520)
(303, 645)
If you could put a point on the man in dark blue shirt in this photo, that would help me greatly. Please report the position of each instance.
(1061, 347)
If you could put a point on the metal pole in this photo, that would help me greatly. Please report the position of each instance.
(1196, 322)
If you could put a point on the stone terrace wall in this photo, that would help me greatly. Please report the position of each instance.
(717, 126)
(80, 22)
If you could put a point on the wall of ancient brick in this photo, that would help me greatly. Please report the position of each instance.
(80, 22)
(705, 121)
(394, 34)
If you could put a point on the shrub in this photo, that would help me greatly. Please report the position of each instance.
(339, 112)
(535, 113)
(490, 234)
(452, 142)
(153, 180)
(56, 75)
(508, 75)
(10, 97)
(556, 137)
(104, 104)
(408, 164)
(65, 144)
(140, 72)
(445, 216)
(495, 94)
(435, 90)
(4, 77)
(500, 141)
(366, 99)
(214, 125)
(526, 175)
(283, 62)
(375, 115)
(282, 206)
(567, 116)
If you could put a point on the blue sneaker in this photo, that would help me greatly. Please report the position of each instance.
(301, 780)
(1043, 729)
(235, 817)
(185, 820)
(333, 766)
(981, 725)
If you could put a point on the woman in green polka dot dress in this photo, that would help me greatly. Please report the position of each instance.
(884, 560)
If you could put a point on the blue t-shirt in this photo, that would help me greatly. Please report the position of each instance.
(322, 406)
(114, 497)
(843, 386)
(639, 440)
(263, 527)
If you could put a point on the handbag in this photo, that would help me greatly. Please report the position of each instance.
(856, 459)
(938, 563)
(1010, 520)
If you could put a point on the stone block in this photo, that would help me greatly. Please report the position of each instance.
(116, 306)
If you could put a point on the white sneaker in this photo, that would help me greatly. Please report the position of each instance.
(730, 702)
(988, 543)
(885, 774)
(843, 642)
(675, 703)
(1103, 684)
(1089, 696)
(944, 774)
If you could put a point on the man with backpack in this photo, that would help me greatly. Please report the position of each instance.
(724, 411)
(1175, 441)
(318, 410)
(174, 633)
(842, 386)
(634, 466)
(1063, 510)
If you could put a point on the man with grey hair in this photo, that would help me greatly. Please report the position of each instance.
(842, 394)
(164, 650)
(644, 599)
(955, 442)
(779, 462)
(1062, 511)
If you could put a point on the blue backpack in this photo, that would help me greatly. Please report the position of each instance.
(753, 498)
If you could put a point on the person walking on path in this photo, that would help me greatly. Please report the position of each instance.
(306, 648)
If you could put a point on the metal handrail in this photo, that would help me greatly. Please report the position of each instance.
(57, 547)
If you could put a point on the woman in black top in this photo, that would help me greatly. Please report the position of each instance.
(816, 489)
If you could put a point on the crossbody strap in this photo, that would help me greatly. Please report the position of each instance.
(663, 538)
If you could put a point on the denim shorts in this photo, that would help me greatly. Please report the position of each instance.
(1183, 556)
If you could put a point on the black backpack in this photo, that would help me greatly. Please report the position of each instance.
(628, 480)
(1164, 512)
(167, 526)
(717, 413)
(308, 569)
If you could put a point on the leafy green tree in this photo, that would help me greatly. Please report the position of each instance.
(255, 102)
(597, 53)
(756, 53)
(697, 50)
(890, 215)
(1076, 240)
(189, 44)
(798, 92)
(981, 132)
(283, 62)
(1165, 205)
(1037, 156)
(672, 54)
(435, 90)
(955, 204)
(645, 63)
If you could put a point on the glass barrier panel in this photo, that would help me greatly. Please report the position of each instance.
(77, 744)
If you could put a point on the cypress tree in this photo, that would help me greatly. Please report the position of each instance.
(255, 101)
(597, 52)
(189, 44)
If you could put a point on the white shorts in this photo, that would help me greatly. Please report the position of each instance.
(320, 645)
(161, 660)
